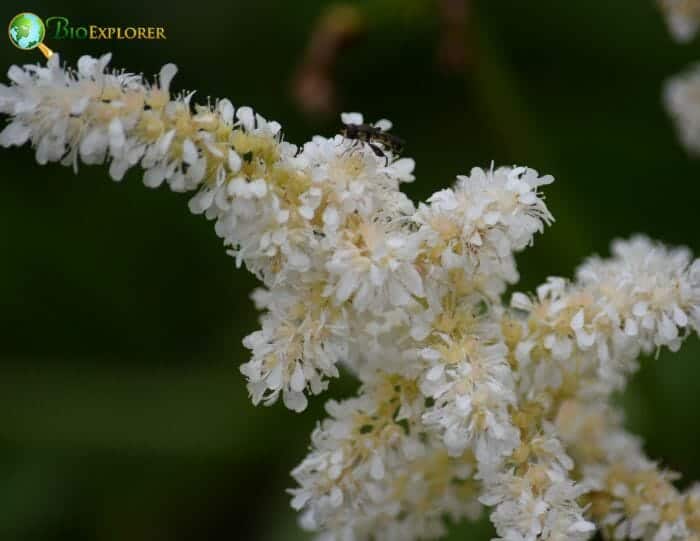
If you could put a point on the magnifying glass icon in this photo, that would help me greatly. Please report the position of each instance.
(27, 32)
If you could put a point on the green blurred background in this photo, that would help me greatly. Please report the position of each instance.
(122, 412)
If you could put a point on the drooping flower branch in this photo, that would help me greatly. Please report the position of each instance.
(681, 93)
(682, 17)
(682, 100)
(577, 344)
(464, 401)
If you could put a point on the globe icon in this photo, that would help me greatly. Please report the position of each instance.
(26, 31)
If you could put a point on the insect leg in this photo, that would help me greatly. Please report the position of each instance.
(379, 152)
(352, 146)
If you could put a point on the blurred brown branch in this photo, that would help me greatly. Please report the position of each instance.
(454, 54)
(313, 85)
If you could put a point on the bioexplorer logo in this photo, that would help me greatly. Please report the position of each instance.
(27, 31)
(60, 28)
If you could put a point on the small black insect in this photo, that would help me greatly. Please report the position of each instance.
(376, 137)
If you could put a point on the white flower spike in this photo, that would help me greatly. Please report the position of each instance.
(465, 402)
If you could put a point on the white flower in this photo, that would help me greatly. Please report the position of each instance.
(641, 501)
(540, 505)
(646, 296)
(372, 476)
(472, 388)
(488, 215)
(294, 351)
(654, 290)
(376, 269)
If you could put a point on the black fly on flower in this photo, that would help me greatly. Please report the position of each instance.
(376, 136)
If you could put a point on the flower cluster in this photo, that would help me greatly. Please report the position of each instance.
(465, 401)
(628, 497)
